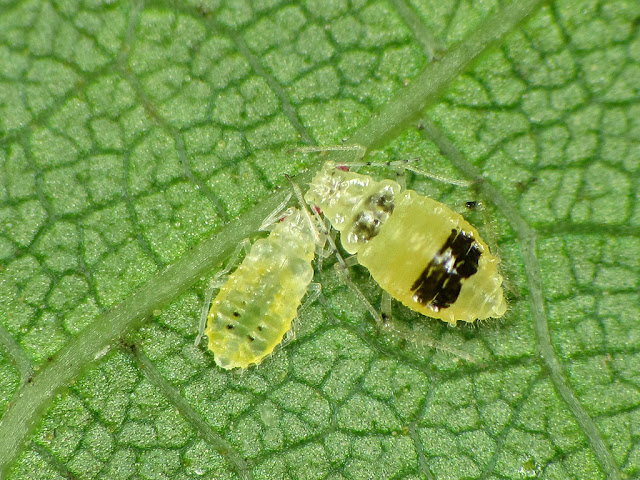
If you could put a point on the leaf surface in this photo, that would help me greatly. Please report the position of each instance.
(140, 143)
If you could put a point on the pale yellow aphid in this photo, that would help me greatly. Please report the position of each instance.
(417, 249)
(255, 307)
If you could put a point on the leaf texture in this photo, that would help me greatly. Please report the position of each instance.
(141, 142)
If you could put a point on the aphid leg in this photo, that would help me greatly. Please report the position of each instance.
(385, 322)
(351, 261)
(386, 307)
(405, 333)
(506, 283)
(401, 177)
(218, 280)
(320, 228)
(313, 292)
(327, 250)
(322, 253)
(361, 297)
(344, 264)
(341, 266)
(208, 297)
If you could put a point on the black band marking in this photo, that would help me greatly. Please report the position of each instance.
(374, 212)
(439, 284)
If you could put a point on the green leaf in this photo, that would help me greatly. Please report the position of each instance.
(139, 144)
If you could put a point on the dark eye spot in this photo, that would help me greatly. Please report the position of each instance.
(385, 202)
(236, 314)
(229, 327)
(251, 339)
(259, 328)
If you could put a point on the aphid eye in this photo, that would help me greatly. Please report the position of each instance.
(236, 314)
(229, 327)
(250, 338)
(259, 328)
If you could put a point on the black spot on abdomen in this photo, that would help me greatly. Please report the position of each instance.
(439, 284)
(374, 212)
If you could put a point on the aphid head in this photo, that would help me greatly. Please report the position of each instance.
(336, 191)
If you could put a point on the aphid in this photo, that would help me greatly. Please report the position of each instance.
(417, 249)
(255, 307)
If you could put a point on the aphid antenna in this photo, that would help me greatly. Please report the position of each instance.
(277, 214)
(321, 231)
(305, 210)
(408, 164)
(333, 148)
(403, 163)
(439, 178)
(322, 236)
(381, 164)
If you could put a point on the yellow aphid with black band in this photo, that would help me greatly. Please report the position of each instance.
(417, 249)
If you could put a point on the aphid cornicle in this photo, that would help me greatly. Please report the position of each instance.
(254, 309)
(417, 249)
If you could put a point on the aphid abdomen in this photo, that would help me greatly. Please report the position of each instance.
(254, 309)
(434, 262)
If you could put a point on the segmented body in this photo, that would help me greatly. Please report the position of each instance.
(254, 309)
(420, 251)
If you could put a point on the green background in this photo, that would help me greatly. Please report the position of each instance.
(140, 142)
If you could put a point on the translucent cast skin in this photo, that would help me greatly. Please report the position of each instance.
(417, 249)
(254, 309)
